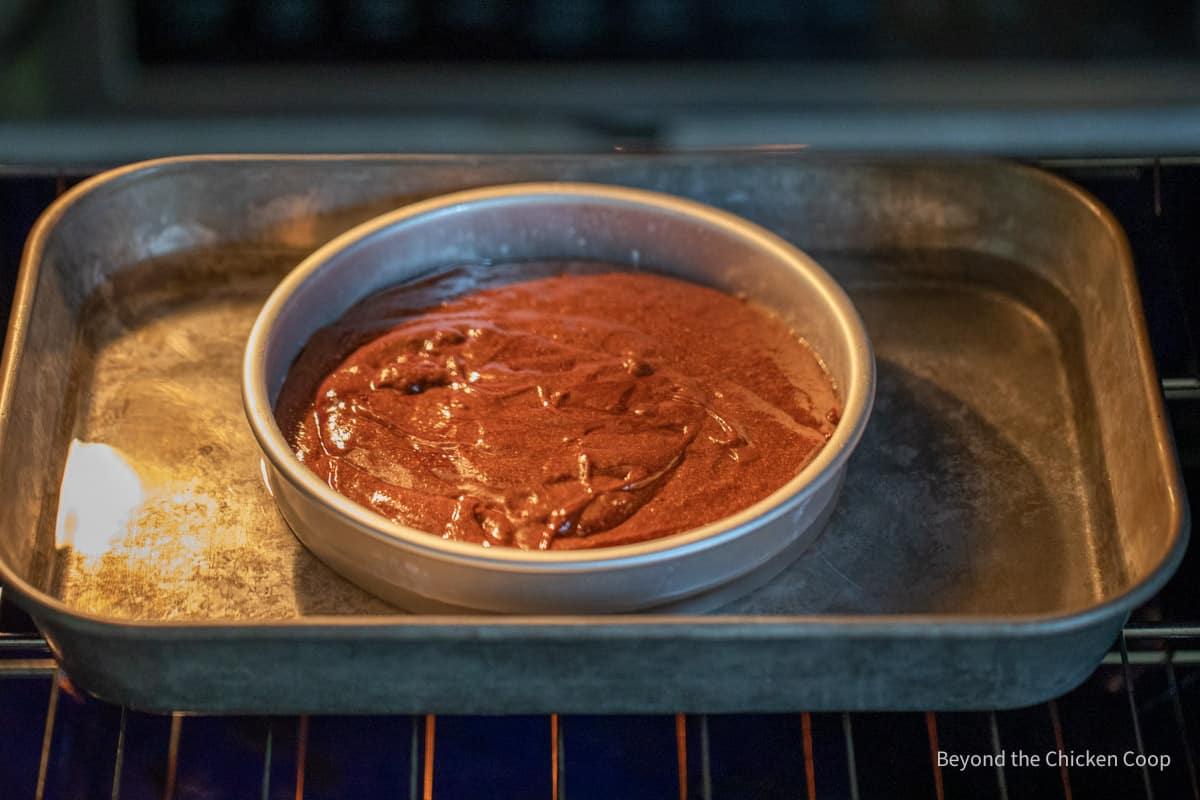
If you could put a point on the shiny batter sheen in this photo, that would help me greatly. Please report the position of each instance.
(580, 409)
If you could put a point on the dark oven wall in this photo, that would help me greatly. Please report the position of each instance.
(118, 80)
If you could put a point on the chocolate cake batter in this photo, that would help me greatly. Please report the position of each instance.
(581, 408)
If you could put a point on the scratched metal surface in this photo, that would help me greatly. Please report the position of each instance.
(987, 496)
(962, 445)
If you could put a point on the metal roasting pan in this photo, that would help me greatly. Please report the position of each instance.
(1015, 495)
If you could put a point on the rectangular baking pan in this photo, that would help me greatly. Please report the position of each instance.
(1016, 494)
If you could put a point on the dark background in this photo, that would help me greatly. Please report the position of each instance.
(117, 80)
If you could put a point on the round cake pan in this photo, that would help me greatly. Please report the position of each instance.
(641, 230)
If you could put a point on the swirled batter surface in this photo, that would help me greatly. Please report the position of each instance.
(582, 408)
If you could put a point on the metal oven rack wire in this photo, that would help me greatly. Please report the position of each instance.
(1141, 706)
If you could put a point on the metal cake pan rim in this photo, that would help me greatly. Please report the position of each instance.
(832, 457)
